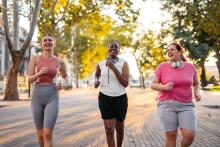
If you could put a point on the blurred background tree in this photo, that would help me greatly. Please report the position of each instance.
(93, 29)
(191, 25)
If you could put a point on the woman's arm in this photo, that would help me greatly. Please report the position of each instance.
(97, 76)
(32, 76)
(122, 78)
(156, 85)
(196, 88)
(62, 69)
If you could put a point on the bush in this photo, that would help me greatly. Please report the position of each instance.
(213, 80)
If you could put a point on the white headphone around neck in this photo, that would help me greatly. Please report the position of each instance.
(177, 64)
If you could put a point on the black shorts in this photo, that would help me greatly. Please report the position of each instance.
(113, 107)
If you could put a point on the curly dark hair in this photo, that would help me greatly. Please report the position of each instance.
(114, 45)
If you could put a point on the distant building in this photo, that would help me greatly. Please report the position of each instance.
(4, 53)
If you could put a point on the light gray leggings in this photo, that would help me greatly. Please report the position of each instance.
(45, 105)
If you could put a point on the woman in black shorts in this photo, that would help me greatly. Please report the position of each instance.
(112, 75)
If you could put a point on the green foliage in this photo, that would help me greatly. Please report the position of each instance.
(90, 42)
(196, 25)
(94, 29)
(147, 52)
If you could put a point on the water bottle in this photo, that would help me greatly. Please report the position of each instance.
(57, 79)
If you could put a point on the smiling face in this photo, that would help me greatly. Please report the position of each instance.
(48, 43)
(113, 53)
(113, 49)
(173, 53)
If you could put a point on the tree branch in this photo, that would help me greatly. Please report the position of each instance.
(65, 9)
(6, 28)
(32, 27)
(53, 7)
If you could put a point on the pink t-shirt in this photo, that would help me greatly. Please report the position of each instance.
(182, 79)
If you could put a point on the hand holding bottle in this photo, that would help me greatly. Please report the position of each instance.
(43, 70)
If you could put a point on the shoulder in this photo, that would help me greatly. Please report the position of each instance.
(163, 64)
(59, 60)
(34, 58)
(121, 60)
(190, 65)
(124, 62)
(102, 62)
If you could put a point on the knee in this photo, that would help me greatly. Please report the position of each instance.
(189, 138)
(171, 135)
(109, 131)
(119, 128)
(40, 135)
(47, 135)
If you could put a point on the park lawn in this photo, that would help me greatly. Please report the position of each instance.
(215, 88)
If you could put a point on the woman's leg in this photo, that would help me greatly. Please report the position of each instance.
(169, 120)
(47, 135)
(109, 131)
(121, 107)
(119, 132)
(38, 114)
(40, 137)
(171, 138)
(50, 117)
(187, 123)
(188, 137)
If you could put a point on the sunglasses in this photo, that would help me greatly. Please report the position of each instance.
(47, 40)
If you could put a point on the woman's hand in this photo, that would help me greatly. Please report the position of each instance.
(43, 70)
(197, 96)
(59, 86)
(96, 84)
(168, 86)
(110, 64)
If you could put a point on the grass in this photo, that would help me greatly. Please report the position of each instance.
(215, 88)
(212, 88)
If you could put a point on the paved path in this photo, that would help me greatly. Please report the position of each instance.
(79, 122)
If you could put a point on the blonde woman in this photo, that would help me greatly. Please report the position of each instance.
(45, 96)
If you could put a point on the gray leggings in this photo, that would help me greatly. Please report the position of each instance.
(45, 105)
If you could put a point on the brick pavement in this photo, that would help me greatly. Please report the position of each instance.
(79, 124)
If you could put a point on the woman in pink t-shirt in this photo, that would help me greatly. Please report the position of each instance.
(174, 80)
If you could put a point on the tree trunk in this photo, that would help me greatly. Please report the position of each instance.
(75, 64)
(15, 25)
(142, 81)
(203, 75)
(76, 69)
(218, 66)
(218, 61)
(11, 91)
(75, 61)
